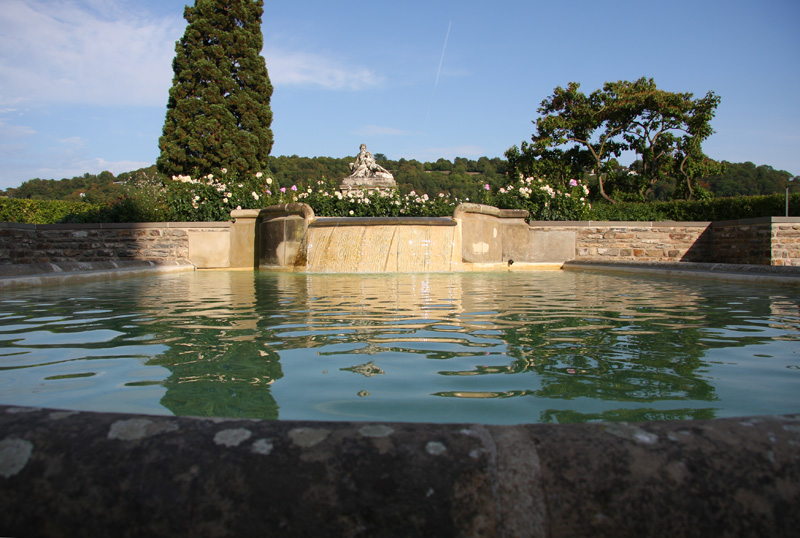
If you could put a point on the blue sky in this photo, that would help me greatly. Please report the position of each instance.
(83, 83)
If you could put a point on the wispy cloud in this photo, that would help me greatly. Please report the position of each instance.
(317, 70)
(101, 53)
(14, 132)
(87, 53)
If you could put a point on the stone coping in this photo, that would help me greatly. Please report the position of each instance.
(758, 220)
(718, 271)
(114, 225)
(24, 275)
(295, 208)
(290, 209)
(103, 474)
(320, 222)
(40, 274)
(617, 224)
(482, 209)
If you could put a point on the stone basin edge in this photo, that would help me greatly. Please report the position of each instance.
(90, 474)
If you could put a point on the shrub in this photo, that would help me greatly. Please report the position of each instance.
(27, 211)
(542, 200)
(210, 198)
(715, 209)
(326, 200)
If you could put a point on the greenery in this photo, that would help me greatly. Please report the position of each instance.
(747, 179)
(218, 113)
(578, 134)
(43, 211)
(462, 178)
(426, 189)
(90, 188)
(716, 209)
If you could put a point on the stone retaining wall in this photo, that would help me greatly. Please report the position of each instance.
(639, 241)
(763, 241)
(785, 242)
(773, 241)
(487, 236)
(79, 243)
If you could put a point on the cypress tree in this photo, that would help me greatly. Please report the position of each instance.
(218, 113)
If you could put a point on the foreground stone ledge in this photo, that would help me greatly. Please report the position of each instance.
(41, 274)
(66, 473)
(772, 274)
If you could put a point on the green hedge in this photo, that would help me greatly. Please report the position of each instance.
(715, 209)
(44, 211)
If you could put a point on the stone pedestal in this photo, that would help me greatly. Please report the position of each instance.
(352, 183)
(366, 174)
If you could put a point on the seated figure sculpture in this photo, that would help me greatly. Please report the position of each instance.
(366, 173)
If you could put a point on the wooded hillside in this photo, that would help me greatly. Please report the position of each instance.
(461, 177)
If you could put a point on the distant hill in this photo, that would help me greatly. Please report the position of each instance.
(747, 179)
(461, 177)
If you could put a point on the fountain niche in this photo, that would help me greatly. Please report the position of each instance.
(290, 237)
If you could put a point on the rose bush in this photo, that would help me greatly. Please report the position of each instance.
(212, 198)
(542, 200)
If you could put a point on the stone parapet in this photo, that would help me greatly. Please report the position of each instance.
(492, 235)
(278, 237)
(636, 241)
(785, 244)
(92, 243)
(100, 474)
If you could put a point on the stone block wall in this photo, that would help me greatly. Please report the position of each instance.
(767, 241)
(743, 242)
(636, 241)
(67, 243)
(17, 243)
(785, 246)
(277, 237)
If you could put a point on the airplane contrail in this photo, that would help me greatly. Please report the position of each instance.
(441, 60)
(438, 71)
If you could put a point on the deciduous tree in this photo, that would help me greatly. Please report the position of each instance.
(578, 133)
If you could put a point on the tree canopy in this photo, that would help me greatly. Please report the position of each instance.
(578, 134)
(218, 113)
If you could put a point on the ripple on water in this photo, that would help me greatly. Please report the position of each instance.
(495, 348)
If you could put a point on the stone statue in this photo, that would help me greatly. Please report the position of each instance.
(365, 166)
(365, 173)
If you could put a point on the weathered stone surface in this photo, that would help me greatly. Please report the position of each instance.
(487, 235)
(85, 474)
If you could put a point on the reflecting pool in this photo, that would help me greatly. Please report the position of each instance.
(495, 348)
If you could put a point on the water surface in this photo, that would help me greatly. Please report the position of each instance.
(497, 348)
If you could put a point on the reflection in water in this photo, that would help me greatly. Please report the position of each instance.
(449, 347)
